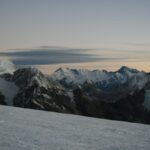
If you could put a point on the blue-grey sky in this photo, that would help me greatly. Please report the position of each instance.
(115, 24)
(100, 34)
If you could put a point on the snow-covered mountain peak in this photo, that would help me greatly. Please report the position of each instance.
(125, 69)
(62, 69)
(30, 76)
(79, 76)
(136, 79)
(71, 71)
(6, 66)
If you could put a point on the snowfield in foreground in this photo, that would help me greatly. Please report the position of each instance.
(25, 129)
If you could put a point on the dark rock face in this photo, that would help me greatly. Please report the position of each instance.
(129, 108)
(38, 92)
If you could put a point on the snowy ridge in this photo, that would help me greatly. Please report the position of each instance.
(31, 76)
(39, 78)
(80, 76)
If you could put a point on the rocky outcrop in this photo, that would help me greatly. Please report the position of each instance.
(38, 92)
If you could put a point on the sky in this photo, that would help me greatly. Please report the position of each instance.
(103, 27)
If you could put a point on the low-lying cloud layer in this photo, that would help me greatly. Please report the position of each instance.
(49, 55)
(50, 58)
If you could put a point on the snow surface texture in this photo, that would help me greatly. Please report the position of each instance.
(9, 90)
(24, 129)
(6, 66)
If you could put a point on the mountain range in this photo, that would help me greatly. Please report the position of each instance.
(120, 95)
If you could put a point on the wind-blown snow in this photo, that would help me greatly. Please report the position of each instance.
(6, 66)
(9, 90)
(24, 129)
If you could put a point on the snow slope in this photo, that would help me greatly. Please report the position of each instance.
(9, 90)
(38, 130)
